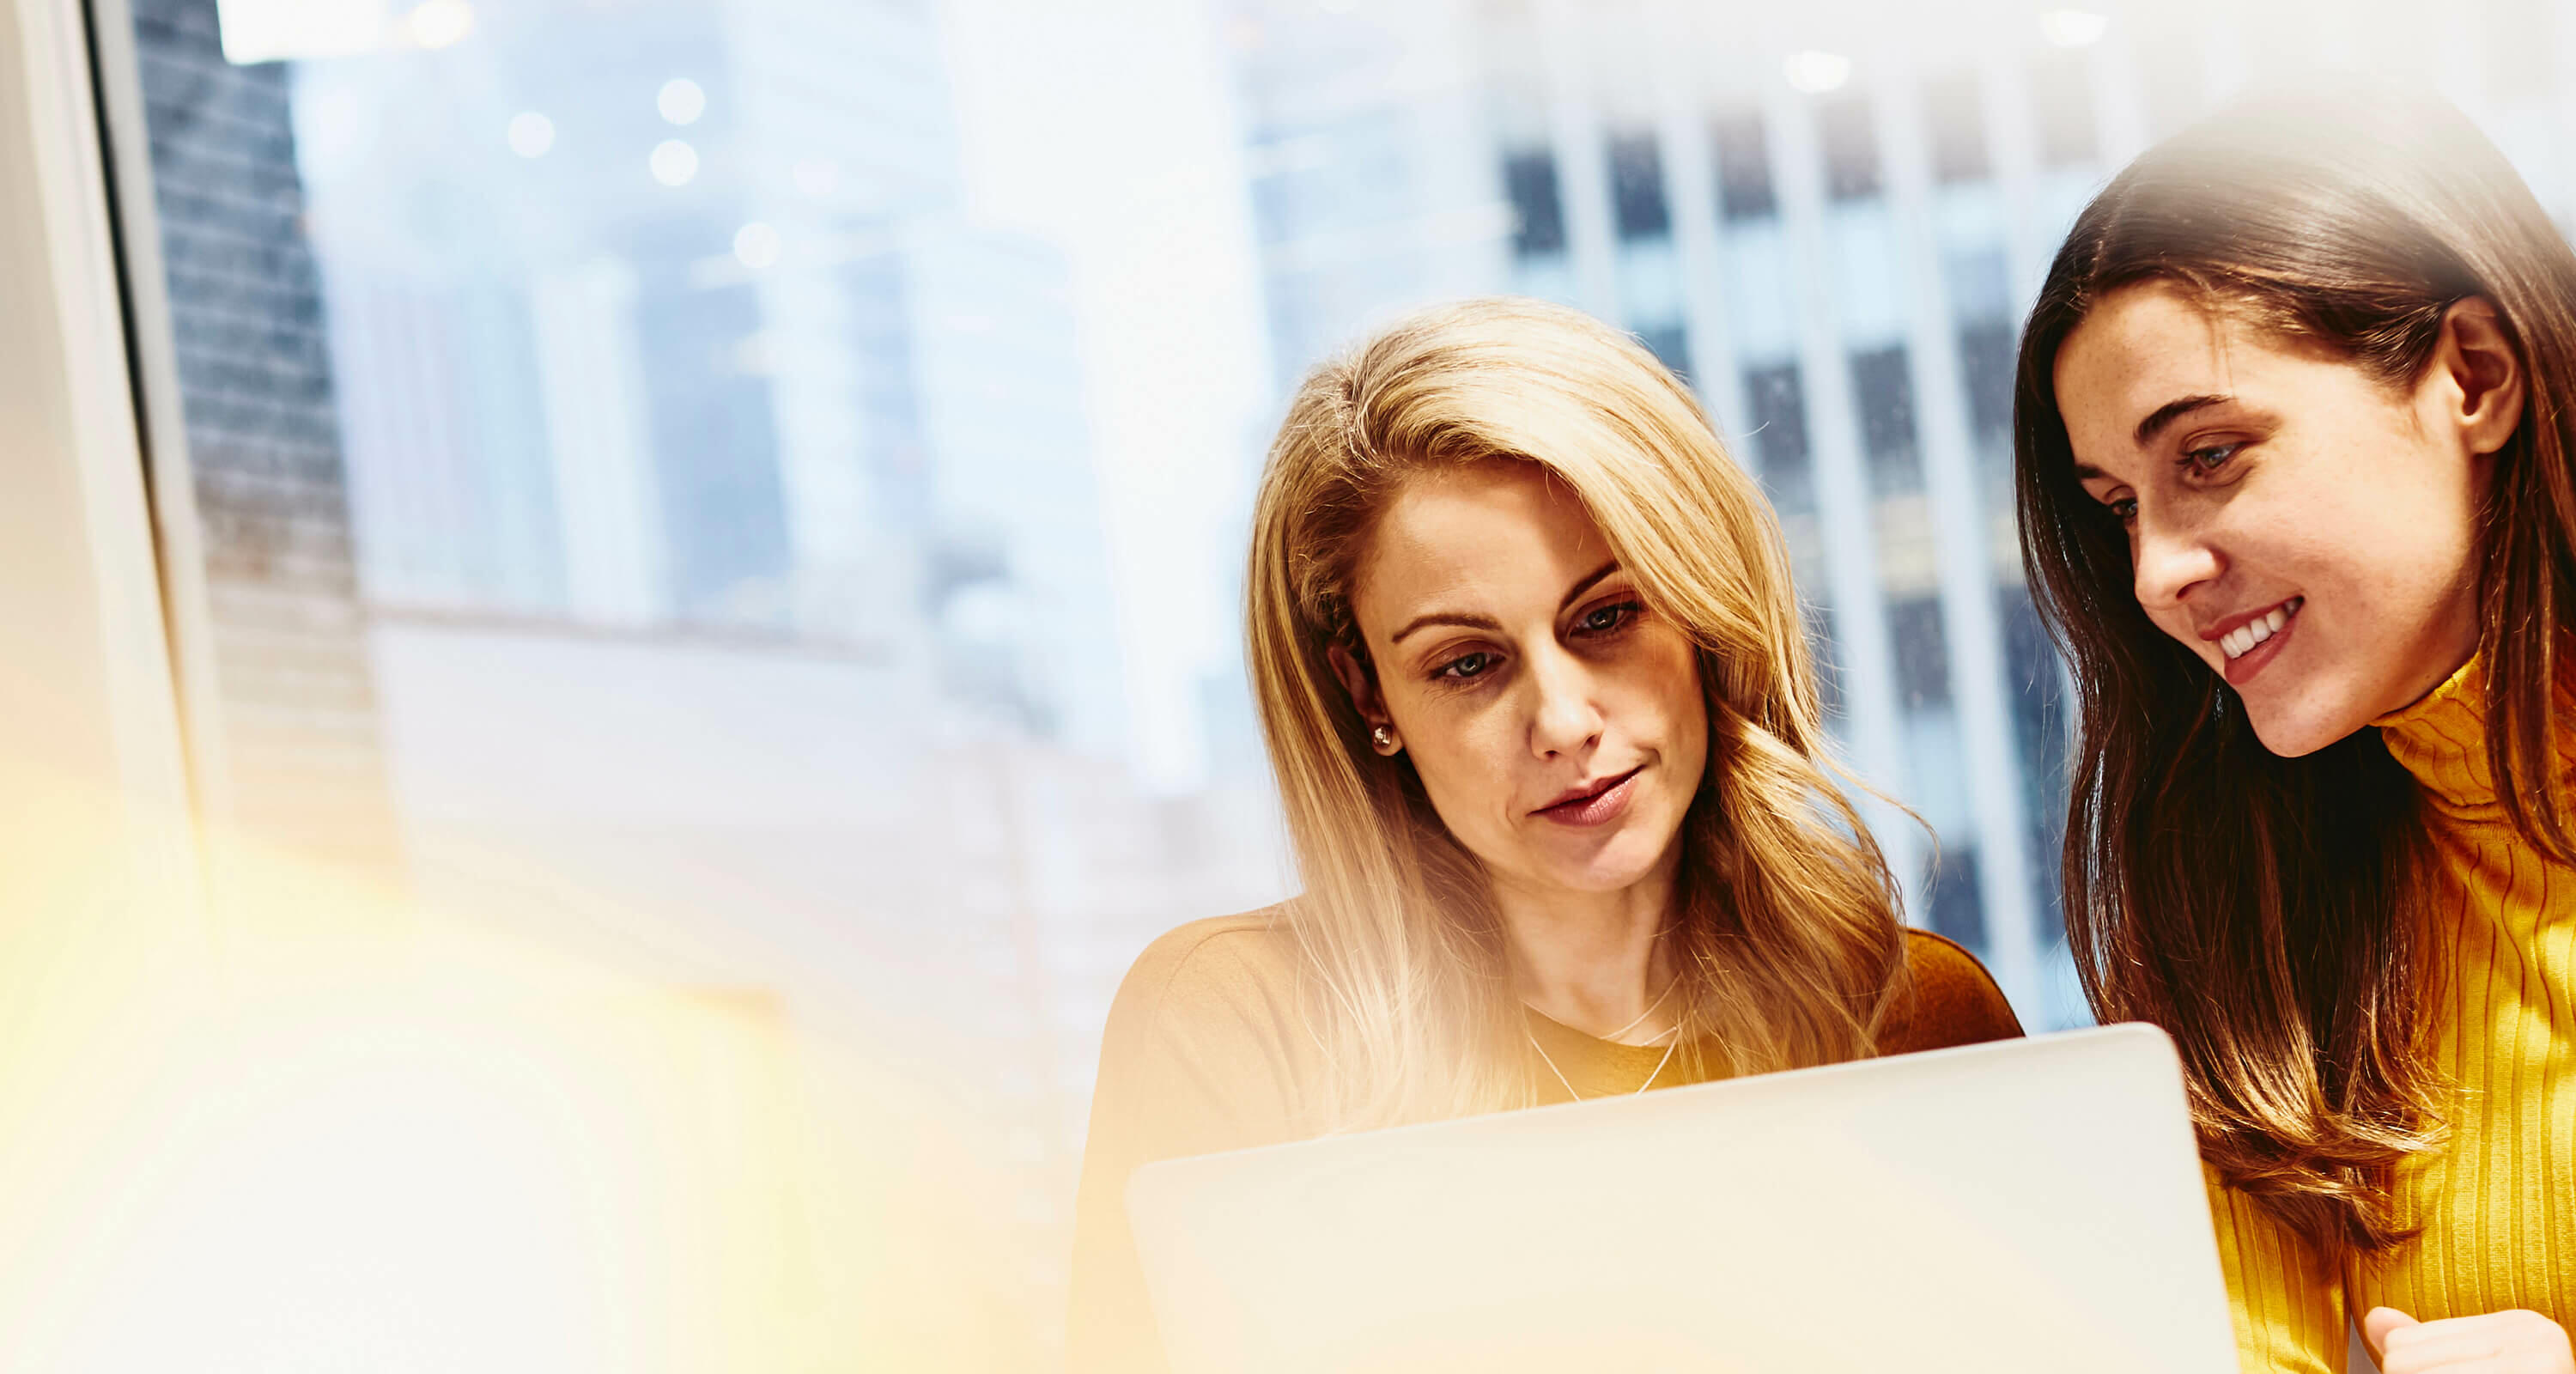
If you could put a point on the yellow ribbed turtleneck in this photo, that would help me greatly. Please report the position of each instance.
(2496, 1205)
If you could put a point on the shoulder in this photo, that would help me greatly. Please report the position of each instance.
(1206, 1047)
(1222, 958)
(1948, 999)
(1215, 980)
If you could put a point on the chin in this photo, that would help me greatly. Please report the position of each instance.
(1624, 862)
(2298, 731)
(1598, 877)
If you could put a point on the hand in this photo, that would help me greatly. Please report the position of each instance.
(2497, 1343)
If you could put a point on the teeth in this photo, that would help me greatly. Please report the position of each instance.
(2240, 641)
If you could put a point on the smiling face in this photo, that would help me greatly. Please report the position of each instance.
(1556, 721)
(2309, 531)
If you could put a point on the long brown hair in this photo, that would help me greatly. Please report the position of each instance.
(1786, 936)
(2262, 909)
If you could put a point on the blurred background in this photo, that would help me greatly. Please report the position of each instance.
(702, 542)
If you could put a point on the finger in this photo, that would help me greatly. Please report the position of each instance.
(2471, 1343)
(2380, 1321)
(2438, 1361)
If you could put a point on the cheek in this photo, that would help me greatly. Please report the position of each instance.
(2175, 623)
(1461, 748)
(1671, 713)
(2383, 551)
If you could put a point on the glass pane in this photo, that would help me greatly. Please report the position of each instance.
(724, 524)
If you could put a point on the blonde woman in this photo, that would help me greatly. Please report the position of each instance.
(1546, 732)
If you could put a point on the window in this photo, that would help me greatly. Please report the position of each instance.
(1538, 219)
(746, 498)
(1743, 166)
(1779, 408)
(1958, 907)
(1955, 121)
(2040, 709)
(1884, 390)
(2040, 737)
(1637, 187)
(266, 450)
(1988, 360)
(1978, 279)
(656, 516)
(1670, 344)
(1850, 147)
(1922, 653)
(2061, 93)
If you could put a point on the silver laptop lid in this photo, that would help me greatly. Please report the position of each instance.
(2026, 1206)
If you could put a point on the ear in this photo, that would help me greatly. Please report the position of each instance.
(1360, 681)
(2486, 380)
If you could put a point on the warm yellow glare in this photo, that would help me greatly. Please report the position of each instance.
(308, 1126)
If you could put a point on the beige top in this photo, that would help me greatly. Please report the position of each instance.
(1205, 1052)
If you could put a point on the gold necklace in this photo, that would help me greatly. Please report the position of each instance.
(1550, 1061)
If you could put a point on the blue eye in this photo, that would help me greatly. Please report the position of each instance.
(2210, 459)
(2126, 508)
(1466, 666)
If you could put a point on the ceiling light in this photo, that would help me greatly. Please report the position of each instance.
(2073, 28)
(681, 101)
(756, 244)
(439, 24)
(674, 163)
(1818, 72)
(531, 134)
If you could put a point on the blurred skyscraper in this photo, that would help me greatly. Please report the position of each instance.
(686, 331)
(1829, 220)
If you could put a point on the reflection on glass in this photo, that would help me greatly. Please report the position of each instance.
(747, 493)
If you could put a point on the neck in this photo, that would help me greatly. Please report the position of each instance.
(1594, 960)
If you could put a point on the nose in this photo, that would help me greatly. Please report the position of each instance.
(1565, 718)
(2169, 559)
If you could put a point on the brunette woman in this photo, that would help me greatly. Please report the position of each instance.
(1539, 702)
(2293, 429)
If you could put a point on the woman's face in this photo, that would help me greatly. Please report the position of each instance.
(1555, 720)
(2308, 531)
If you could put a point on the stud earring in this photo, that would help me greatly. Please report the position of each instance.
(1384, 739)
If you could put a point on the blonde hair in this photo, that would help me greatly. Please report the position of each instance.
(1785, 935)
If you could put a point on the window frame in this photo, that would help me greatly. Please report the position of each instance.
(94, 691)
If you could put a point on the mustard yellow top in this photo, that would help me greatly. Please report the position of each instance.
(1205, 1051)
(2497, 1205)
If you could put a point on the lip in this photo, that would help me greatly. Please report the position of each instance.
(2243, 668)
(1594, 803)
(2221, 629)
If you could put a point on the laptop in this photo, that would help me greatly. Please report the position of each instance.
(2024, 1207)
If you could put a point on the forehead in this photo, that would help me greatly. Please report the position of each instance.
(2140, 348)
(1489, 529)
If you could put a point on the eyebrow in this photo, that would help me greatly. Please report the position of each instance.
(2164, 415)
(1479, 622)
